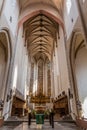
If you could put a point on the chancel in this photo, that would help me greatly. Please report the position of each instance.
(43, 64)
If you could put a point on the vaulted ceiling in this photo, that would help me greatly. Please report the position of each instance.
(55, 3)
(40, 36)
(40, 30)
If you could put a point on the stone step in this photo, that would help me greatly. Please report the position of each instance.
(65, 121)
(12, 123)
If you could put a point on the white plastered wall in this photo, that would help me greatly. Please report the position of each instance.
(81, 77)
(20, 65)
(70, 16)
(2, 71)
(63, 70)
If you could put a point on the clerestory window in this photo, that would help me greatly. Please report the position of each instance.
(68, 5)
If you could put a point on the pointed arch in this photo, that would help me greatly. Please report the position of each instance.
(47, 13)
(6, 41)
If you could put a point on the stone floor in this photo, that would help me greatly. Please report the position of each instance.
(46, 126)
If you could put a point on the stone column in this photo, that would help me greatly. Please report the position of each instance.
(35, 83)
(49, 78)
(28, 74)
(51, 71)
(59, 71)
(36, 78)
(31, 77)
(55, 75)
(44, 78)
(52, 80)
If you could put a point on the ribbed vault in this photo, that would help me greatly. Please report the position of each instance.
(40, 36)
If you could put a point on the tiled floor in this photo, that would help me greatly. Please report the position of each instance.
(46, 126)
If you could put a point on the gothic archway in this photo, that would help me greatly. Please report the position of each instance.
(5, 61)
(78, 54)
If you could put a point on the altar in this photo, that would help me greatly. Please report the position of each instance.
(39, 118)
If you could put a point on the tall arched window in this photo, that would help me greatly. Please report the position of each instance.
(68, 5)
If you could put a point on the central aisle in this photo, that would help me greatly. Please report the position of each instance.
(46, 126)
